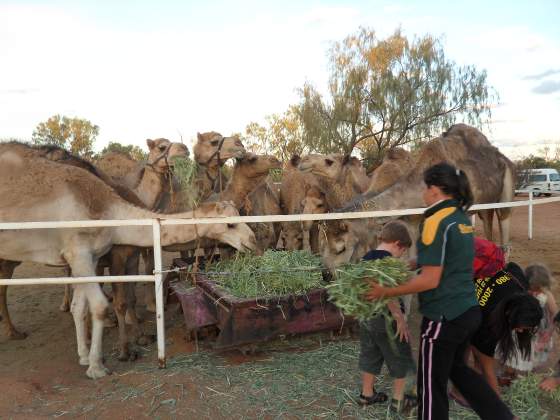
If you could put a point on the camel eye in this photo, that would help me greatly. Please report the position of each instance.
(162, 148)
(341, 251)
(231, 225)
(214, 142)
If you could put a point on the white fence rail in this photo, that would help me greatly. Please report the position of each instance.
(157, 277)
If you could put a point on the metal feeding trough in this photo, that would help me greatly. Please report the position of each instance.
(248, 321)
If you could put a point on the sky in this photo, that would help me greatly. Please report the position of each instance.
(145, 69)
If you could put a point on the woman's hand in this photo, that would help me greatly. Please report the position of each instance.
(549, 384)
(376, 291)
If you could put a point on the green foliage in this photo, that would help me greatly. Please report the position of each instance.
(282, 136)
(276, 273)
(135, 152)
(74, 134)
(185, 171)
(352, 282)
(391, 92)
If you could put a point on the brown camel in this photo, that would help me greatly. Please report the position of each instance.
(37, 189)
(490, 173)
(339, 177)
(248, 173)
(211, 151)
(299, 194)
(396, 164)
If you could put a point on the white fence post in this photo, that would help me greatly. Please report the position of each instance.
(530, 216)
(160, 320)
(473, 220)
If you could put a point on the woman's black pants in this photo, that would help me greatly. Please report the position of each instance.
(441, 357)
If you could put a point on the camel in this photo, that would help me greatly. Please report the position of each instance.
(60, 155)
(339, 177)
(37, 189)
(490, 173)
(211, 151)
(264, 200)
(299, 194)
(248, 173)
(397, 163)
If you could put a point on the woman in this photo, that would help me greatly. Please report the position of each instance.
(509, 314)
(447, 299)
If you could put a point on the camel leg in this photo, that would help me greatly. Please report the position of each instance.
(65, 305)
(487, 216)
(6, 272)
(131, 317)
(149, 291)
(87, 296)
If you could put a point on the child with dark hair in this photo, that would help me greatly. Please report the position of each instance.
(553, 381)
(377, 344)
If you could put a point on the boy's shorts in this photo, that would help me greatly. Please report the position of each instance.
(376, 347)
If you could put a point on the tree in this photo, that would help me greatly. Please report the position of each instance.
(391, 92)
(282, 136)
(75, 134)
(135, 152)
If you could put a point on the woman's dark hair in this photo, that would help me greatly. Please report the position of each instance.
(451, 181)
(520, 310)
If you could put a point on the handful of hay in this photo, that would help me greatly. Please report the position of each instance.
(185, 170)
(276, 273)
(349, 287)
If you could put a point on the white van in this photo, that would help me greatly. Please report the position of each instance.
(541, 181)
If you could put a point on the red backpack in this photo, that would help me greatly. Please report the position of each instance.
(488, 258)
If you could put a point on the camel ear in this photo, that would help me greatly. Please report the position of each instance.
(354, 161)
(295, 160)
(199, 136)
(151, 144)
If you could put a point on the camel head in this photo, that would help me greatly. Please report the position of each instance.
(336, 167)
(214, 148)
(327, 166)
(162, 152)
(237, 235)
(292, 236)
(256, 166)
(342, 241)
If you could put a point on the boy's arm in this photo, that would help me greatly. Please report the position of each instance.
(402, 326)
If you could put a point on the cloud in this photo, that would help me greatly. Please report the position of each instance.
(542, 75)
(22, 91)
(546, 87)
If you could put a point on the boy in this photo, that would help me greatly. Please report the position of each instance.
(377, 345)
(553, 381)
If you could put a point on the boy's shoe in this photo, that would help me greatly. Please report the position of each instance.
(376, 398)
(406, 406)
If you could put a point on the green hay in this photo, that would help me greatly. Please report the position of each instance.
(276, 273)
(348, 289)
(185, 171)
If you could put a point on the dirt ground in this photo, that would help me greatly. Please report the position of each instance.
(40, 376)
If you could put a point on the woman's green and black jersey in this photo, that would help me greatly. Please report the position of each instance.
(446, 239)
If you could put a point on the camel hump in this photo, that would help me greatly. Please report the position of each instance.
(117, 164)
(432, 223)
(470, 135)
(398, 153)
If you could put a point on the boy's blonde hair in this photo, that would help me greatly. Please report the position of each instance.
(396, 231)
(538, 276)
